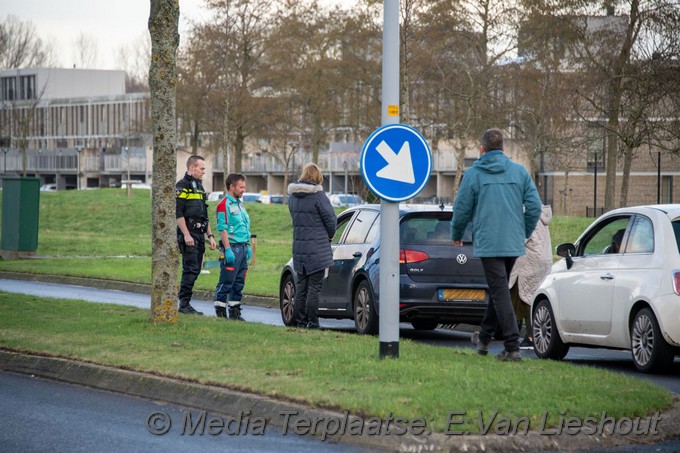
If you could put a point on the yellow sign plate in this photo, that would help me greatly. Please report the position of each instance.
(464, 294)
(392, 110)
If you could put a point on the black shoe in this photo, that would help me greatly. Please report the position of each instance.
(526, 344)
(189, 310)
(482, 348)
(313, 326)
(509, 356)
(221, 312)
(235, 313)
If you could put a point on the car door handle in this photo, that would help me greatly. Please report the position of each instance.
(607, 276)
(357, 255)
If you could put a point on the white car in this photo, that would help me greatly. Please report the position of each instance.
(270, 199)
(345, 200)
(247, 197)
(618, 287)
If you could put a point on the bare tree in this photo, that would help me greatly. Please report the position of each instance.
(163, 29)
(198, 81)
(134, 57)
(303, 52)
(20, 45)
(237, 35)
(612, 37)
(85, 51)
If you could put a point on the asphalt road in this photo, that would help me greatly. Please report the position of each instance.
(42, 415)
(619, 361)
(51, 416)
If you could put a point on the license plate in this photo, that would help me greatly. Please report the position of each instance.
(475, 295)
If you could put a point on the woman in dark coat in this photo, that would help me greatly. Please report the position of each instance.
(314, 224)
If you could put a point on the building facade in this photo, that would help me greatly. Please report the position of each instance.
(79, 129)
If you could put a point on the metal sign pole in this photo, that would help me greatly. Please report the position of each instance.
(389, 211)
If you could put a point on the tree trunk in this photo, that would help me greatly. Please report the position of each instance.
(239, 146)
(163, 28)
(460, 168)
(625, 179)
(612, 148)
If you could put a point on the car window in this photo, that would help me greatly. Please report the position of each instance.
(358, 231)
(676, 231)
(341, 227)
(641, 236)
(375, 229)
(607, 238)
(429, 230)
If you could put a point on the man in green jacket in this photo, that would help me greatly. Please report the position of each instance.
(500, 199)
(233, 226)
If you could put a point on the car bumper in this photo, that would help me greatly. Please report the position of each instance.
(668, 314)
(427, 302)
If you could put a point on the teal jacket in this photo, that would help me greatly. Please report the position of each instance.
(500, 199)
(232, 217)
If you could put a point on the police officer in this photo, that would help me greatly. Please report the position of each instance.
(233, 226)
(192, 226)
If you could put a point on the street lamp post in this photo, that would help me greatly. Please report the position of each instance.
(4, 168)
(597, 155)
(658, 177)
(79, 148)
(344, 167)
(129, 181)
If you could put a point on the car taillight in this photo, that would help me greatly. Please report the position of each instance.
(412, 256)
(676, 282)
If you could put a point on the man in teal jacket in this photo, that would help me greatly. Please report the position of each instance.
(233, 225)
(500, 199)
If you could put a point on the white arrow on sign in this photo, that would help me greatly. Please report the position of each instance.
(399, 166)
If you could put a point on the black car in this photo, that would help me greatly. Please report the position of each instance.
(439, 283)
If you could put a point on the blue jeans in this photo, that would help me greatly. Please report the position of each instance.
(232, 276)
(306, 308)
(499, 315)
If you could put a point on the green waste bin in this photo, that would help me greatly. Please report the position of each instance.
(20, 208)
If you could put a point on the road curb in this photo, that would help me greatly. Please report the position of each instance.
(139, 288)
(227, 402)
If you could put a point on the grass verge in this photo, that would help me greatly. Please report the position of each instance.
(104, 234)
(324, 368)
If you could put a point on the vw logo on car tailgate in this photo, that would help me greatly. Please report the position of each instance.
(462, 259)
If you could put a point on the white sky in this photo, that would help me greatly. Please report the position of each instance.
(112, 24)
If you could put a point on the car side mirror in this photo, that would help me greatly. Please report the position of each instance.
(566, 250)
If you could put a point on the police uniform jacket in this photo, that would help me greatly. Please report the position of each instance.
(191, 203)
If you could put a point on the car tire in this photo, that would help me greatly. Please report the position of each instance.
(287, 299)
(424, 324)
(365, 316)
(547, 341)
(650, 351)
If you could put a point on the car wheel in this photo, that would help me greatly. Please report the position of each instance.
(547, 341)
(365, 317)
(287, 299)
(650, 351)
(424, 324)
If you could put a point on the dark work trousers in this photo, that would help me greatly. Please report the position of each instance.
(499, 313)
(192, 262)
(306, 308)
(232, 276)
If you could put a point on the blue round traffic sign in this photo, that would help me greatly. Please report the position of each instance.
(396, 162)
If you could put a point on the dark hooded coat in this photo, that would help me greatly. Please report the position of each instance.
(314, 224)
